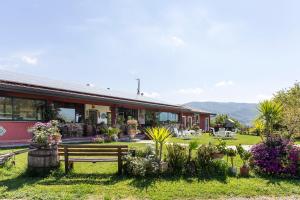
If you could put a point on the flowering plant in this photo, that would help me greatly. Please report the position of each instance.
(132, 123)
(275, 156)
(46, 134)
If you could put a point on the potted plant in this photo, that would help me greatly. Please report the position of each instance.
(219, 150)
(46, 137)
(245, 156)
(232, 153)
(112, 134)
(132, 128)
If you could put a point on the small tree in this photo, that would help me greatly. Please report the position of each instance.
(270, 112)
(290, 101)
(159, 135)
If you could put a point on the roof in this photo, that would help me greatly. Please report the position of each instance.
(41, 85)
(196, 110)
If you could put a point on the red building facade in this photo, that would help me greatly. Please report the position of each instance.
(25, 100)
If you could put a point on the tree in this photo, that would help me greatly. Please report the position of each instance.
(159, 135)
(270, 112)
(220, 119)
(259, 127)
(290, 101)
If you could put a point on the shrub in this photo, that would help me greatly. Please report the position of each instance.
(176, 158)
(148, 151)
(221, 146)
(244, 155)
(207, 166)
(112, 134)
(275, 156)
(98, 139)
(141, 164)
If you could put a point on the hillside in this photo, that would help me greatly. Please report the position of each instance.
(244, 112)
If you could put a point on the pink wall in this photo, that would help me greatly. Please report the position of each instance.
(16, 131)
(202, 120)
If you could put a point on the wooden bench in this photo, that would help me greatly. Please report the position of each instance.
(92, 153)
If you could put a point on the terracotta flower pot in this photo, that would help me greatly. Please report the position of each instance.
(244, 171)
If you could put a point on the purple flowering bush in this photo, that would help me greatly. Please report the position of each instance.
(275, 156)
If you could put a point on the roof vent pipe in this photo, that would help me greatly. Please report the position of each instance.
(139, 86)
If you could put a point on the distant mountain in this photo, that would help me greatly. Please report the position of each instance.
(244, 112)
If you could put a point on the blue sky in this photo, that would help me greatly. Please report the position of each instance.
(238, 51)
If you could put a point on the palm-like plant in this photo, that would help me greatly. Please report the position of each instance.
(270, 113)
(193, 145)
(159, 135)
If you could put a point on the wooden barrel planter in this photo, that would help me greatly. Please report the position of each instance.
(42, 161)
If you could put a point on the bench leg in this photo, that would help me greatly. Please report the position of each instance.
(120, 165)
(71, 165)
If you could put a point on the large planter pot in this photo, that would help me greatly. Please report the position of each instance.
(244, 171)
(132, 133)
(42, 160)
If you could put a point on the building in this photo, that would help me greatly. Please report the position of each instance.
(25, 100)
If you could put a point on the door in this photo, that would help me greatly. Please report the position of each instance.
(206, 124)
(93, 117)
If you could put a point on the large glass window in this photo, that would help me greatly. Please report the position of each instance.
(67, 115)
(5, 108)
(69, 112)
(168, 117)
(28, 110)
(18, 109)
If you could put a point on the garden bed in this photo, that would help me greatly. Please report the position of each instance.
(100, 181)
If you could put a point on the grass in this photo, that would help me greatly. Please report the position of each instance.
(240, 139)
(99, 181)
(206, 138)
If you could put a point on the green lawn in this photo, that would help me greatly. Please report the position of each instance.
(206, 138)
(240, 139)
(99, 181)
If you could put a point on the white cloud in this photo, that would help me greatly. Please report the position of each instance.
(152, 94)
(224, 83)
(177, 41)
(174, 41)
(190, 91)
(31, 60)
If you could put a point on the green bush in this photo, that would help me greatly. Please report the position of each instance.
(140, 163)
(176, 157)
(208, 167)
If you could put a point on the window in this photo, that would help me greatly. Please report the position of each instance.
(168, 117)
(67, 114)
(27, 109)
(18, 109)
(5, 108)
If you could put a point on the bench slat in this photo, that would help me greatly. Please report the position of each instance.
(93, 150)
(93, 154)
(92, 146)
(92, 160)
